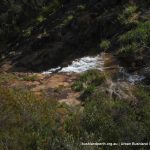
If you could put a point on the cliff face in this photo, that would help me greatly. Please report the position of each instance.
(71, 29)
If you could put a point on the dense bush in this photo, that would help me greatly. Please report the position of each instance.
(88, 82)
(129, 16)
(28, 122)
(136, 40)
(106, 119)
(89, 78)
(109, 120)
(140, 35)
(105, 44)
(18, 18)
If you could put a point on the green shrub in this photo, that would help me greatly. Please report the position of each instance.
(140, 35)
(129, 50)
(135, 40)
(77, 86)
(110, 120)
(27, 32)
(81, 7)
(7, 77)
(50, 7)
(28, 122)
(30, 78)
(86, 95)
(105, 44)
(87, 83)
(40, 18)
(89, 78)
(66, 21)
(129, 15)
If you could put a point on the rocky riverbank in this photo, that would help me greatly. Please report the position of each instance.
(58, 84)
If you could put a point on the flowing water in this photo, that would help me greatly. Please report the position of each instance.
(81, 65)
(104, 62)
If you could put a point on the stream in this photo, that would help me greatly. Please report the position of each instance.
(102, 62)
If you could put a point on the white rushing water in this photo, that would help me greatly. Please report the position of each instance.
(130, 77)
(81, 65)
(135, 78)
(95, 62)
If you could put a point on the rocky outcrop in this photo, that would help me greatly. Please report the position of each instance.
(57, 86)
(120, 90)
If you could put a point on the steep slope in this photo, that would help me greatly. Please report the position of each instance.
(39, 36)
(74, 28)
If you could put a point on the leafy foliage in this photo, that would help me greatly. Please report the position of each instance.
(135, 40)
(30, 78)
(20, 16)
(88, 81)
(129, 15)
(109, 120)
(105, 44)
(28, 122)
